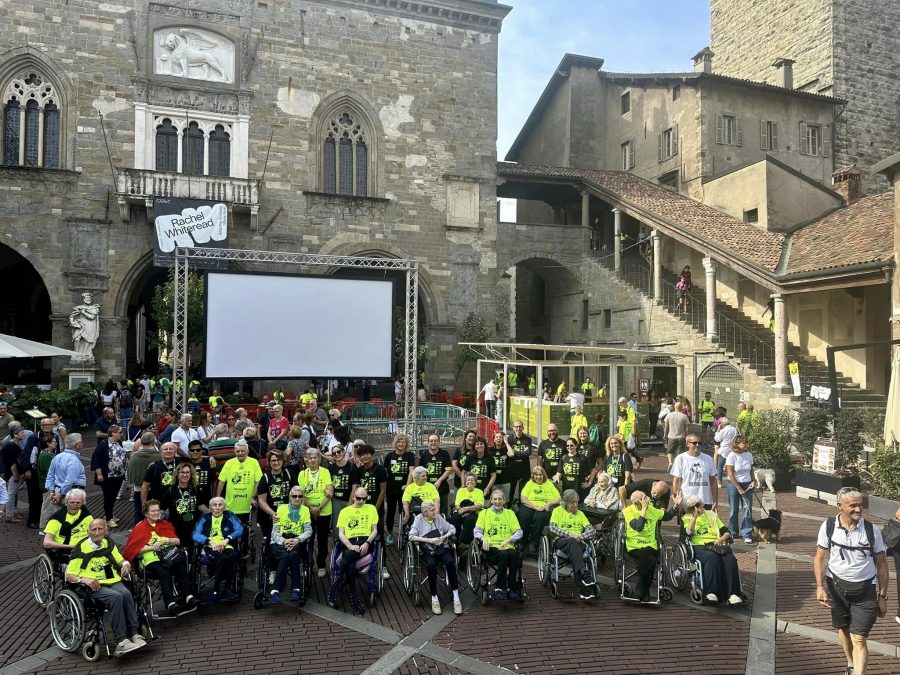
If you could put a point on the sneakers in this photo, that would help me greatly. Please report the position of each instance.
(138, 640)
(385, 574)
(274, 598)
(390, 540)
(457, 607)
(513, 596)
(295, 595)
(125, 646)
(497, 595)
(734, 600)
(849, 671)
(228, 595)
(214, 597)
(436, 607)
(897, 619)
(112, 522)
(320, 572)
(719, 483)
(748, 540)
(711, 597)
(587, 594)
(174, 609)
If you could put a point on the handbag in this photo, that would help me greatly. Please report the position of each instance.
(172, 556)
(720, 549)
(891, 534)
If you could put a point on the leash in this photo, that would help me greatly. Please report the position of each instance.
(759, 499)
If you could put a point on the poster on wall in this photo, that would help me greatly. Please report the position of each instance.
(794, 371)
(190, 223)
(824, 455)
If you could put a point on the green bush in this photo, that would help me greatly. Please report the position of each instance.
(812, 423)
(70, 404)
(770, 438)
(873, 426)
(884, 473)
(848, 435)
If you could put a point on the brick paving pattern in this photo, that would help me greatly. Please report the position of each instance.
(798, 655)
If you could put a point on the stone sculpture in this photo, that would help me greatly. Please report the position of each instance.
(85, 322)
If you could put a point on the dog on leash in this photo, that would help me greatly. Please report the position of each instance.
(768, 529)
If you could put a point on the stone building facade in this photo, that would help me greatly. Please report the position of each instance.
(844, 48)
(345, 127)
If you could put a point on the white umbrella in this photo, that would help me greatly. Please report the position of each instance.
(892, 413)
(12, 347)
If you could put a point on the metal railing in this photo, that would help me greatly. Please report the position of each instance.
(146, 183)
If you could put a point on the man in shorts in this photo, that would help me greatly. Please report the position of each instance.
(852, 576)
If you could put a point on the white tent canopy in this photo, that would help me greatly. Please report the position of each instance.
(12, 347)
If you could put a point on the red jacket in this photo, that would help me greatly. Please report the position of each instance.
(140, 537)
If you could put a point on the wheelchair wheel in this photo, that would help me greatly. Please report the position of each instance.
(379, 569)
(409, 570)
(544, 561)
(665, 594)
(473, 568)
(67, 621)
(626, 590)
(485, 595)
(678, 567)
(90, 651)
(258, 601)
(697, 596)
(554, 589)
(42, 580)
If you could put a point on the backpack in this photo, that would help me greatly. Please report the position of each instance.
(595, 435)
(126, 399)
(870, 535)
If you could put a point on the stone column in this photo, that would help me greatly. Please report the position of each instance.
(585, 230)
(781, 341)
(709, 266)
(656, 242)
(617, 238)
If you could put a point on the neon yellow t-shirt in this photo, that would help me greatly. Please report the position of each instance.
(474, 495)
(705, 531)
(79, 528)
(290, 529)
(578, 421)
(314, 486)
(573, 523)
(215, 531)
(101, 563)
(241, 479)
(358, 522)
(646, 538)
(426, 492)
(497, 527)
(540, 494)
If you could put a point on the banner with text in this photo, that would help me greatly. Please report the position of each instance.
(192, 223)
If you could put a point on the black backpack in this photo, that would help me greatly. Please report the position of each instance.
(126, 400)
(870, 535)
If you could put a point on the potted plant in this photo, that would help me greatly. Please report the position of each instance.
(770, 439)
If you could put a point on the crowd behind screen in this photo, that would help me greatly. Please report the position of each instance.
(196, 478)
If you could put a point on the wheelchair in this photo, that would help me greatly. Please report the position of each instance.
(369, 570)
(150, 592)
(554, 565)
(604, 523)
(415, 508)
(47, 578)
(414, 574)
(201, 582)
(686, 571)
(76, 622)
(480, 573)
(626, 569)
(265, 573)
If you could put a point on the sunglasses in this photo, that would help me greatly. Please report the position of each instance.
(296, 496)
(195, 450)
(359, 499)
(693, 443)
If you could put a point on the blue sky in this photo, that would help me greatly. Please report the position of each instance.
(630, 35)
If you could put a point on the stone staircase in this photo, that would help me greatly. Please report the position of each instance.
(742, 339)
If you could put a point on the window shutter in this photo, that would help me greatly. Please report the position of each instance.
(738, 131)
(826, 141)
(631, 151)
(774, 135)
(763, 136)
(720, 123)
(674, 139)
(802, 144)
(659, 148)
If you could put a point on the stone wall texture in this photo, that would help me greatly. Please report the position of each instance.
(844, 48)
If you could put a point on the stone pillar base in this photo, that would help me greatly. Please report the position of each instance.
(78, 374)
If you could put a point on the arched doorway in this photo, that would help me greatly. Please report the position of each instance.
(545, 303)
(662, 372)
(141, 351)
(24, 312)
(725, 382)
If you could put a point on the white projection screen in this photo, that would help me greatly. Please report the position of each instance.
(271, 326)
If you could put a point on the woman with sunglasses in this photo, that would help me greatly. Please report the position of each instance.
(466, 448)
(399, 465)
(291, 530)
(273, 489)
(572, 473)
(539, 497)
(343, 477)
(185, 507)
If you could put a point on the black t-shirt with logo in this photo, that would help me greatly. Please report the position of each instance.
(480, 467)
(616, 466)
(371, 479)
(343, 478)
(436, 465)
(589, 453)
(573, 472)
(161, 477)
(206, 475)
(397, 467)
(550, 453)
(501, 463)
(278, 488)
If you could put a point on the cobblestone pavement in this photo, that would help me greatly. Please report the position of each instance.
(545, 635)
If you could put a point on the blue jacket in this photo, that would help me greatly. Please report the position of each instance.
(232, 528)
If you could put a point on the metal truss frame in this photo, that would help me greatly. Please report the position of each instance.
(184, 256)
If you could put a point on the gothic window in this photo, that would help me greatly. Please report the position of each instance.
(219, 152)
(166, 146)
(31, 122)
(345, 165)
(192, 147)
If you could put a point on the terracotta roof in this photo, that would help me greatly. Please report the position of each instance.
(857, 234)
(760, 248)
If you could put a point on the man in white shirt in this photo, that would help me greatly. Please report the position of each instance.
(851, 576)
(693, 475)
(724, 440)
(490, 398)
(184, 434)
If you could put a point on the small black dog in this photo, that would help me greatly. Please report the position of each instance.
(768, 529)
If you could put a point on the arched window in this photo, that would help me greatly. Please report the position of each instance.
(31, 124)
(166, 146)
(192, 145)
(345, 158)
(219, 152)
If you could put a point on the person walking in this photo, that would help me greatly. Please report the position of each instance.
(852, 578)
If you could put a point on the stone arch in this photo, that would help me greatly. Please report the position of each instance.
(530, 282)
(14, 60)
(333, 105)
(725, 382)
(24, 312)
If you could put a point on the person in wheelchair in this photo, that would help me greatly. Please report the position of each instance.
(571, 530)
(291, 530)
(710, 538)
(154, 546)
(469, 501)
(538, 498)
(67, 527)
(97, 564)
(216, 533)
(433, 532)
(497, 531)
(357, 530)
(419, 489)
(603, 494)
(641, 542)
